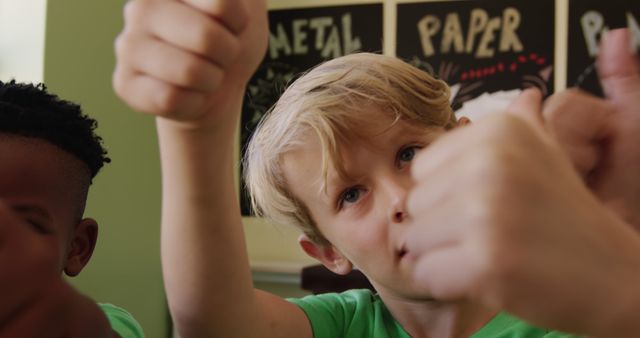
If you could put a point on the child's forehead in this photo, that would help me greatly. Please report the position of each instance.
(382, 129)
(374, 134)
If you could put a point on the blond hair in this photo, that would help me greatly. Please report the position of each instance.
(326, 101)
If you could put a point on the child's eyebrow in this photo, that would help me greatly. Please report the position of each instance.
(29, 208)
(331, 187)
(337, 183)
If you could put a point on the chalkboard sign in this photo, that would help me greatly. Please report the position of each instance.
(300, 39)
(488, 51)
(588, 19)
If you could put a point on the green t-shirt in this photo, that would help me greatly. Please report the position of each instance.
(122, 322)
(360, 313)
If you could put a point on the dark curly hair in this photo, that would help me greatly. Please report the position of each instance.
(29, 110)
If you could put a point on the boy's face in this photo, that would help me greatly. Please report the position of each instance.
(43, 185)
(363, 216)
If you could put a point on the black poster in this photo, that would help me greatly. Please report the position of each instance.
(588, 20)
(299, 40)
(488, 51)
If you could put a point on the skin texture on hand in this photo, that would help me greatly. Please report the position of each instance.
(615, 180)
(193, 67)
(515, 225)
(500, 215)
(602, 135)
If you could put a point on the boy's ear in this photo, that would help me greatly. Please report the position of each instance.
(327, 254)
(463, 121)
(83, 242)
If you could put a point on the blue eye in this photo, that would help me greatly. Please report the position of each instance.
(406, 154)
(350, 196)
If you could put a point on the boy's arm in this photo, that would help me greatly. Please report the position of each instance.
(606, 132)
(564, 244)
(188, 63)
(523, 231)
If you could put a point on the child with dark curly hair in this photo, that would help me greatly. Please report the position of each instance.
(49, 155)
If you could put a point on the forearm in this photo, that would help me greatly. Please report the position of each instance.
(205, 264)
(615, 304)
(620, 317)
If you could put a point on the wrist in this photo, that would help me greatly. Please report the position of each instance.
(620, 310)
(222, 130)
(219, 115)
(627, 323)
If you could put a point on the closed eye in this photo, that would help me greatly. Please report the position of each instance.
(38, 227)
(38, 218)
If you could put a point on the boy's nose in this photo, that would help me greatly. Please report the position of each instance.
(399, 216)
(397, 190)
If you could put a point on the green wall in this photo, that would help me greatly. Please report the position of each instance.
(125, 198)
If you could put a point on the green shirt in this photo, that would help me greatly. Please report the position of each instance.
(122, 322)
(360, 313)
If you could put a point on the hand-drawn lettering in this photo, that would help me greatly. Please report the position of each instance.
(350, 44)
(279, 41)
(427, 28)
(478, 21)
(634, 28)
(480, 35)
(484, 51)
(509, 40)
(299, 36)
(452, 34)
(331, 40)
(592, 26)
(319, 25)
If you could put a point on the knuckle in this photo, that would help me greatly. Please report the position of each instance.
(206, 38)
(241, 22)
(233, 13)
(134, 11)
(566, 98)
(119, 81)
(120, 45)
(190, 72)
(126, 47)
(166, 101)
(216, 44)
(231, 10)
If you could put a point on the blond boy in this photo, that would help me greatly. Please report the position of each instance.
(333, 157)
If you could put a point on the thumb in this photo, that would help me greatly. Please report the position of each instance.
(618, 67)
(528, 106)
